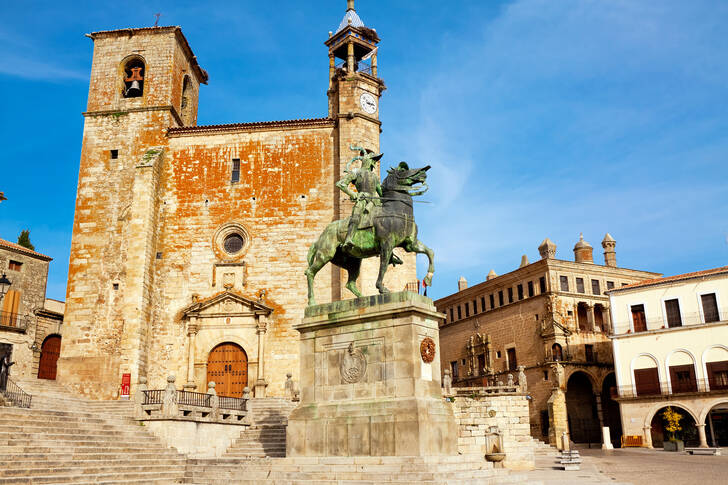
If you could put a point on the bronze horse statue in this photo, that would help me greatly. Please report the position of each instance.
(392, 226)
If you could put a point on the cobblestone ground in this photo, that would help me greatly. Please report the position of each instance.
(637, 466)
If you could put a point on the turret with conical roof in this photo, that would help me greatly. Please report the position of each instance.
(583, 251)
(610, 255)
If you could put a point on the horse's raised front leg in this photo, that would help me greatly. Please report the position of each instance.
(418, 247)
(385, 256)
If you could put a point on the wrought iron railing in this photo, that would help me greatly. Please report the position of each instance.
(13, 321)
(233, 403)
(155, 396)
(658, 323)
(662, 389)
(16, 395)
(361, 66)
(190, 398)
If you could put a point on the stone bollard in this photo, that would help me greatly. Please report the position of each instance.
(447, 383)
(214, 401)
(522, 381)
(606, 439)
(169, 401)
(139, 398)
(289, 391)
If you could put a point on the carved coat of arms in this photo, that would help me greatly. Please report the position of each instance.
(353, 365)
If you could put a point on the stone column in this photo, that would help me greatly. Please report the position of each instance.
(332, 70)
(701, 436)
(648, 436)
(590, 318)
(374, 65)
(350, 57)
(192, 329)
(260, 382)
(607, 318)
(600, 412)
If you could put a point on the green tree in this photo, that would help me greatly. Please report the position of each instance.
(24, 240)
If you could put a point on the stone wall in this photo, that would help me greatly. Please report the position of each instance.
(477, 410)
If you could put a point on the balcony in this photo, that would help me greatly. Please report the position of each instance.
(686, 320)
(657, 389)
(14, 322)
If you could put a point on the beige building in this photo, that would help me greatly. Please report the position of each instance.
(189, 242)
(548, 311)
(30, 323)
(670, 348)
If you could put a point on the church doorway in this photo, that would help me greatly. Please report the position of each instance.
(49, 352)
(581, 408)
(227, 366)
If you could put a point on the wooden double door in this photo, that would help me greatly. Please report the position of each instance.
(227, 366)
(49, 352)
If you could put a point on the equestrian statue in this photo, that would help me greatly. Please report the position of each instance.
(382, 219)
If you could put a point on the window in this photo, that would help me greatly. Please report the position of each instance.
(500, 298)
(580, 285)
(589, 353)
(492, 301)
(186, 104)
(481, 365)
(546, 377)
(482, 303)
(625, 284)
(519, 288)
(582, 317)
(113, 154)
(233, 243)
(564, 283)
(498, 354)
(638, 318)
(454, 369)
(718, 374)
(115, 286)
(530, 289)
(710, 308)
(460, 313)
(542, 284)
(610, 285)
(452, 317)
(682, 378)
(475, 307)
(235, 177)
(512, 362)
(557, 353)
(596, 290)
(672, 312)
(646, 382)
(133, 78)
(510, 295)
(467, 309)
(14, 265)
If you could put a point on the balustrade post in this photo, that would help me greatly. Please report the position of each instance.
(288, 390)
(139, 397)
(214, 401)
(170, 408)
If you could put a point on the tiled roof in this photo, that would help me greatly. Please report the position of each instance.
(182, 130)
(679, 277)
(201, 73)
(21, 249)
(355, 21)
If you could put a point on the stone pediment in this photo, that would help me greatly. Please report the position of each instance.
(226, 303)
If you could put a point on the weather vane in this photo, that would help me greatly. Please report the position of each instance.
(156, 21)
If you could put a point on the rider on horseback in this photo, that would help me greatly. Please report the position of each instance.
(368, 192)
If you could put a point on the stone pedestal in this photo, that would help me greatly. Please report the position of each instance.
(369, 385)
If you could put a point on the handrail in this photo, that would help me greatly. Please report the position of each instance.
(190, 398)
(16, 395)
(13, 321)
(155, 396)
(234, 403)
(659, 323)
(662, 389)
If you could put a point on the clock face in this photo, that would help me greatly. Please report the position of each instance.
(368, 103)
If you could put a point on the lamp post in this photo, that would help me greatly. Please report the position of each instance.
(4, 285)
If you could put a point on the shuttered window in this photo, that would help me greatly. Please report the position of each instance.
(564, 283)
(638, 318)
(647, 381)
(580, 285)
(710, 307)
(672, 311)
(235, 177)
(596, 290)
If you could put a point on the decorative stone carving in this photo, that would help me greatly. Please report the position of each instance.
(289, 389)
(427, 350)
(522, 381)
(447, 383)
(169, 401)
(353, 365)
(510, 380)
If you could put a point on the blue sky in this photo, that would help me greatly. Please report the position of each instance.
(540, 117)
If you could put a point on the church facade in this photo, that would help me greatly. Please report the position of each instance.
(190, 242)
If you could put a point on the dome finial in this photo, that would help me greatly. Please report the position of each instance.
(349, 5)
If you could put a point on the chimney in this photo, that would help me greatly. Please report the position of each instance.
(491, 275)
(610, 255)
(547, 249)
(462, 283)
(583, 251)
(524, 261)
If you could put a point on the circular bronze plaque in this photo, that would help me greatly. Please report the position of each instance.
(427, 350)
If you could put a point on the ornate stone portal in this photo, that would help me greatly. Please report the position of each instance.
(367, 388)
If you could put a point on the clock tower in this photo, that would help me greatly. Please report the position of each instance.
(354, 92)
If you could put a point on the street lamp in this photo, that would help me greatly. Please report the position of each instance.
(4, 285)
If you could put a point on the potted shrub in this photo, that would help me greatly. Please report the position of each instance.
(672, 425)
